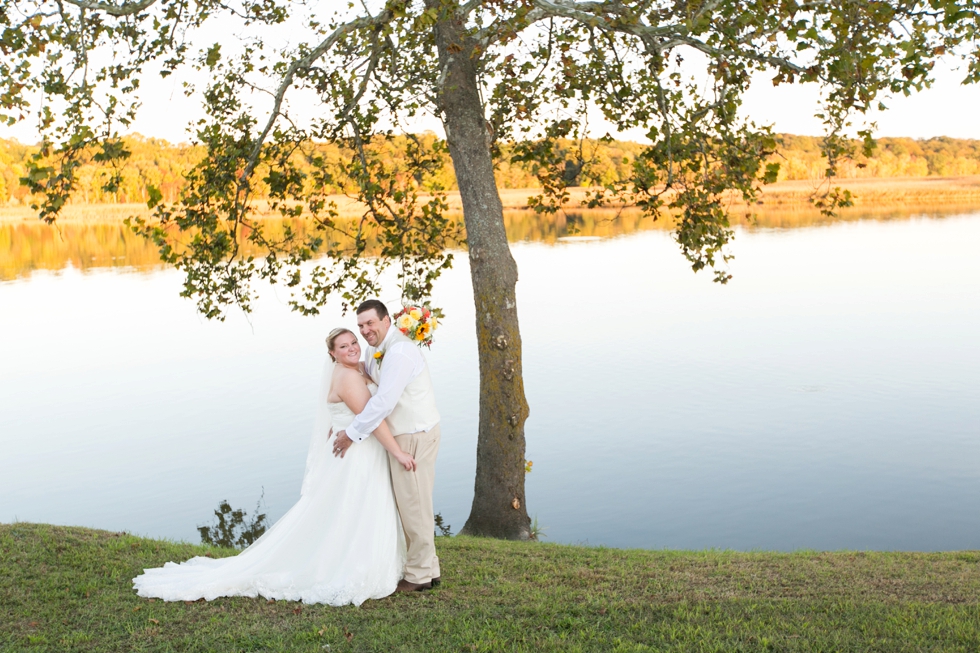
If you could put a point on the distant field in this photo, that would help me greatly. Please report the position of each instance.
(884, 192)
(907, 193)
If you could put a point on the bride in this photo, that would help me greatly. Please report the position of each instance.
(341, 542)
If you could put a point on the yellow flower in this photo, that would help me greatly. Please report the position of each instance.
(377, 354)
(416, 314)
(423, 331)
(404, 322)
(433, 322)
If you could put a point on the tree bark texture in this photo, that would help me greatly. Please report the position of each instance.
(499, 506)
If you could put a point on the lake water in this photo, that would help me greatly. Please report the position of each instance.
(827, 398)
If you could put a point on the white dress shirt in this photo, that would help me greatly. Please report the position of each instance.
(401, 363)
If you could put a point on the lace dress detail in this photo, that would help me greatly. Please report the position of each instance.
(341, 543)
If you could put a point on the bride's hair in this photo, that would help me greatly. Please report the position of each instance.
(332, 336)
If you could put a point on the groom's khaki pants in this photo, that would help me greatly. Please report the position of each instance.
(413, 495)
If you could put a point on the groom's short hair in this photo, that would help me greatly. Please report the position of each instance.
(380, 309)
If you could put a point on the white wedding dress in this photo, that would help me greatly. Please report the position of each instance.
(341, 543)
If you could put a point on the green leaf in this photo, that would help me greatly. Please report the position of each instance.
(772, 173)
(155, 196)
(214, 55)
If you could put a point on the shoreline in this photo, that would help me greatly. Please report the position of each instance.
(876, 194)
(708, 551)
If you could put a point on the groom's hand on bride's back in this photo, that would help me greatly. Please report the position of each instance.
(341, 444)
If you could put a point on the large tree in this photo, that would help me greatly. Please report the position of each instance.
(278, 78)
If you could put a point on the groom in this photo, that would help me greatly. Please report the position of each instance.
(406, 400)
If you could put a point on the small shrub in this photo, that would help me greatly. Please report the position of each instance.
(537, 530)
(232, 531)
(442, 528)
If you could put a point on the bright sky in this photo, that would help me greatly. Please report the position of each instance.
(946, 109)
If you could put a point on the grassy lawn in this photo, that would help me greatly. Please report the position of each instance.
(69, 589)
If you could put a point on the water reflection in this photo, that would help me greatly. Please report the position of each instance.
(27, 246)
(826, 398)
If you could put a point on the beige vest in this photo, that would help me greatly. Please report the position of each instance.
(416, 408)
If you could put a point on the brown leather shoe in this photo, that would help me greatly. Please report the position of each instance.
(406, 586)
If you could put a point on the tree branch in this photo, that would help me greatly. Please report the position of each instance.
(466, 9)
(113, 10)
(496, 30)
(302, 64)
(675, 34)
(584, 12)
(779, 62)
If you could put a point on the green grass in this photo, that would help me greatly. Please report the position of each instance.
(69, 589)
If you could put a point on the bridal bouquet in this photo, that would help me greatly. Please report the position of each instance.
(418, 323)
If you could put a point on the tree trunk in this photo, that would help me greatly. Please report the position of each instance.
(499, 507)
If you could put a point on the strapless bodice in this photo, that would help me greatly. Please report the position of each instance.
(341, 416)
